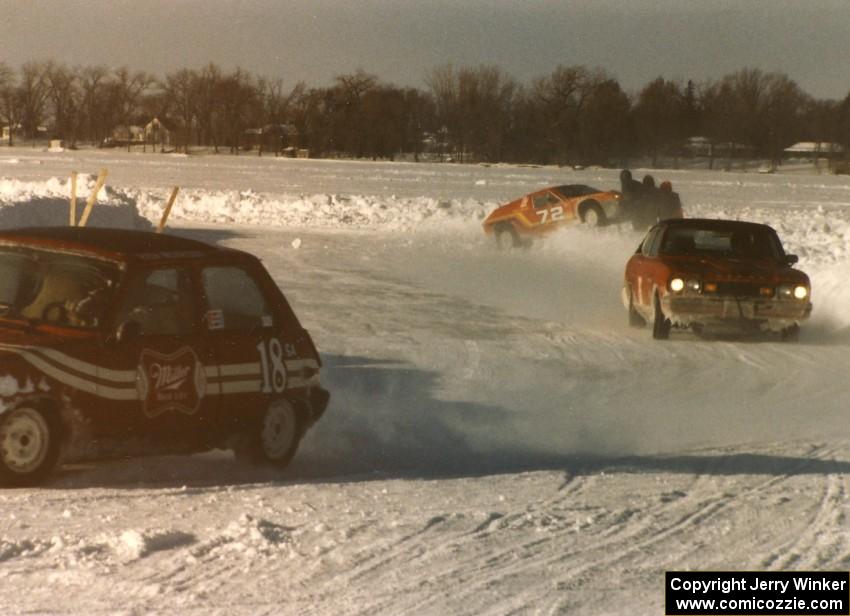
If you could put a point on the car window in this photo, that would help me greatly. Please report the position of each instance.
(576, 190)
(59, 288)
(161, 301)
(746, 243)
(650, 243)
(545, 200)
(234, 300)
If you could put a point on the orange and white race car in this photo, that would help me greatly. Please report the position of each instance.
(545, 210)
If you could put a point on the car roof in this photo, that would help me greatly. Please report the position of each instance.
(712, 223)
(121, 244)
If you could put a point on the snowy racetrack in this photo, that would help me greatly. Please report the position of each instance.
(499, 440)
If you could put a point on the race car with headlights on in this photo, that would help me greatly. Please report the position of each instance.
(519, 221)
(116, 343)
(725, 274)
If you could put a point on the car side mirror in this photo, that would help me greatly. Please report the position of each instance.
(791, 259)
(128, 330)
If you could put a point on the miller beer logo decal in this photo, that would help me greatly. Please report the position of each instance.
(170, 382)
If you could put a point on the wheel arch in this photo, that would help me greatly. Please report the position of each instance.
(585, 205)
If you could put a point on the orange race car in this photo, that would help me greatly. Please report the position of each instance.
(692, 273)
(545, 210)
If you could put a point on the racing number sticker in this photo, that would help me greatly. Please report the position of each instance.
(272, 365)
(551, 214)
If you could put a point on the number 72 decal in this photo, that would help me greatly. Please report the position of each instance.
(551, 214)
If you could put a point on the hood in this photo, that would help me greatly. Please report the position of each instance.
(736, 270)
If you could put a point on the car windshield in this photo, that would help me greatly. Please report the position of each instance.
(745, 243)
(55, 287)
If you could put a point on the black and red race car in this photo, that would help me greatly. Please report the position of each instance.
(116, 341)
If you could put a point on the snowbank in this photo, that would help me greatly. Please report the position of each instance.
(46, 203)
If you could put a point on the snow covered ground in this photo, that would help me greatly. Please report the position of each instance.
(499, 441)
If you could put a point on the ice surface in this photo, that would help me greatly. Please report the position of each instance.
(498, 441)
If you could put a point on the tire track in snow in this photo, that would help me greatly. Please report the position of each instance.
(691, 513)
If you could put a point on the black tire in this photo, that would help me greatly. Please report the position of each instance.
(592, 215)
(507, 237)
(274, 438)
(635, 319)
(30, 440)
(791, 334)
(660, 325)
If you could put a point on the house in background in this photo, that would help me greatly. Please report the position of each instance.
(280, 139)
(159, 133)
(125, 135)
(812, 150)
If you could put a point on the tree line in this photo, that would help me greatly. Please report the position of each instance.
(574, 115)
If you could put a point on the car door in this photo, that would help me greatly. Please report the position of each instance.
(244, 332)
(159, 338)
(641, 267)
(550, 208)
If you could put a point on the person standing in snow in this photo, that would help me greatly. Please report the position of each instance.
(671, 204)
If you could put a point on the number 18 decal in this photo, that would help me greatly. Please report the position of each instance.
(552, 215)
(273, 367)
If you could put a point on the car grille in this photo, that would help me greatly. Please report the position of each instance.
(739, 289)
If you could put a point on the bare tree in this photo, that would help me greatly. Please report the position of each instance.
(32, 97)
(9, 107)
(660, 116)
(605, 132)
(239, 105)
(559, 100)
(94, 107)
(126, 91)
(179, 88)
(64, 94)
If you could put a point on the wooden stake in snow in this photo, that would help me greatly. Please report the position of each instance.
(167, 209)
(101, 179)
(73, 206)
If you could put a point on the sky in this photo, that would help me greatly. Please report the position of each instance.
(400, 41)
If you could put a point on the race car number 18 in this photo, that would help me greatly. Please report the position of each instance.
(271, 362)
(554, 214)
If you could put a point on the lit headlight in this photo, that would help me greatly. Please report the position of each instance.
(693, 285)
(788, 291)
(677, 285)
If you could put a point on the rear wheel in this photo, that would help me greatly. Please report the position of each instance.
(29, 446)
(274, 439)
(506, 237)
(660, 325)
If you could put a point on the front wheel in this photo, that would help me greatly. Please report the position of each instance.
(274, 439)
(594, 216)
(29, 446)
(791, 333)
(661, 325)
(635, 319)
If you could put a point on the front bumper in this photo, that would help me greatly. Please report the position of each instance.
(765, 314)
